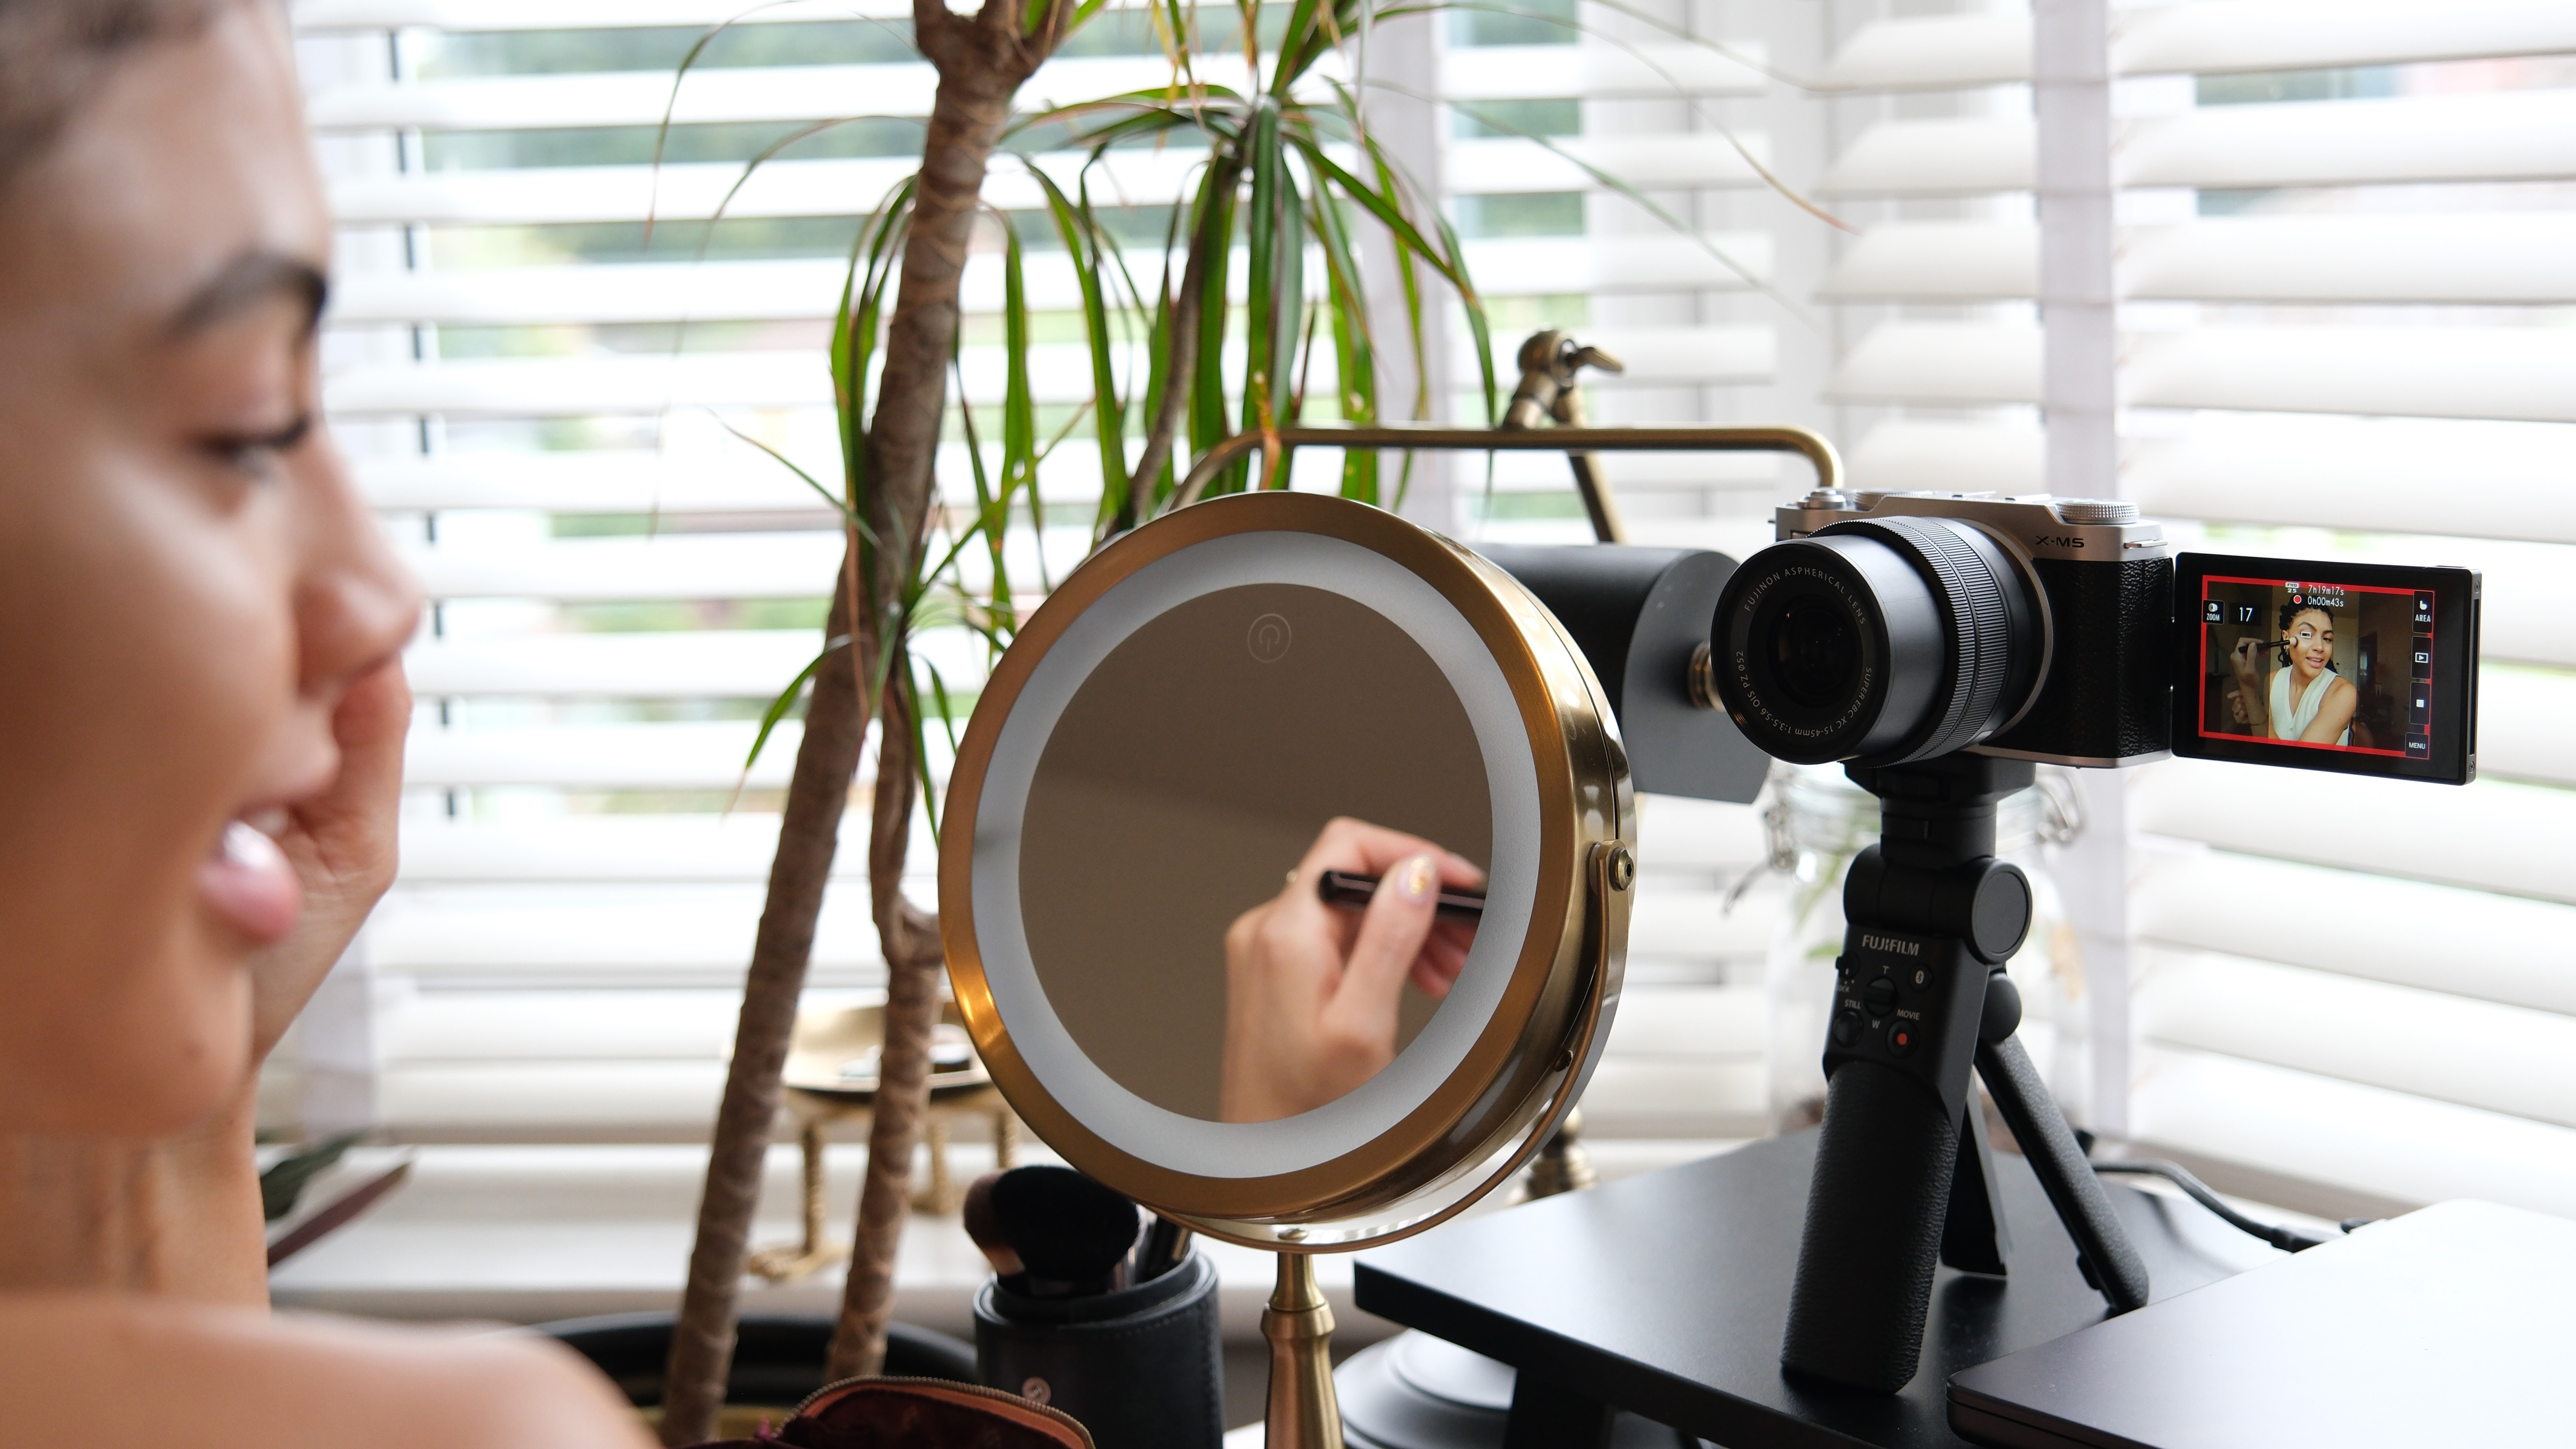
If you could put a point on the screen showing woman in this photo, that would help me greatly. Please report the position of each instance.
(2324, 665)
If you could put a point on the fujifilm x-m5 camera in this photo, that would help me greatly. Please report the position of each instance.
(1885, 628)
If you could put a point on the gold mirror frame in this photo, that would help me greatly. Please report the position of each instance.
(1528, 1062)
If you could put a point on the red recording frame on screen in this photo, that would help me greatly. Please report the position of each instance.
(2435, 727)
(2293, 587)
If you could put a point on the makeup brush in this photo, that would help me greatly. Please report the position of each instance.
(1354, 890)
(1165, 1245)
(1071, 1232)
(986, 1229)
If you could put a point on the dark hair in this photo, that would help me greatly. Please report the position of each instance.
(2292, 611)
(53, 54)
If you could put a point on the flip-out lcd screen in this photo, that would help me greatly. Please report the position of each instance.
(2367, 669)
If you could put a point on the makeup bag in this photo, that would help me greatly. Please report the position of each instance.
(906, 1413)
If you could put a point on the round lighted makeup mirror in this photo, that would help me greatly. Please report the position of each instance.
(1196, 727)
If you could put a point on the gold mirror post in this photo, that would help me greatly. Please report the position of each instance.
(1304, 1412)
(1561, 1166)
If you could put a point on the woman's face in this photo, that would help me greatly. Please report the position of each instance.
(187, 580)
(2311, 640)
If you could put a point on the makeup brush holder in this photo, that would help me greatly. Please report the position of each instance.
(1141, 1367)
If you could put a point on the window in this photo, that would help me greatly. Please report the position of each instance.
(2343, 330)
(538, 387)
(2342, 315)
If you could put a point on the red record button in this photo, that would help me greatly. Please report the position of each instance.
(1900, 1038)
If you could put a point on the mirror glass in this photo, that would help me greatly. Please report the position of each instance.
(1179, 820)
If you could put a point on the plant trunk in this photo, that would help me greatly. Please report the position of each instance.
(910, 942)
(808, 836)
(981, 62)
(981, 65)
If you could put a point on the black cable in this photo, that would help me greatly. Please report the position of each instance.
(2287, 1239)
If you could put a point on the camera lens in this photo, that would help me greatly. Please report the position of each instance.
(1815, 651)
(1878, 640)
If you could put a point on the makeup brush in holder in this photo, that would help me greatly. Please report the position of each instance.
(1065, 1320)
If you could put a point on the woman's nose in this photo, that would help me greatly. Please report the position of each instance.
(356, 603)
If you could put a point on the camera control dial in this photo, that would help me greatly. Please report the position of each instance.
(2097, 510)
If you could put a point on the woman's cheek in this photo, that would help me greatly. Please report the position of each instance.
(220, 679)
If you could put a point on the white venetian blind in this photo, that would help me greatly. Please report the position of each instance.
(540, 392)
(2346, 252)
(1646, 95)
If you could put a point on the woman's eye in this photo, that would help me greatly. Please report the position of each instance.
(254, 452)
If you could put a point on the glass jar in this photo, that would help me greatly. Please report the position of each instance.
(1818, 820)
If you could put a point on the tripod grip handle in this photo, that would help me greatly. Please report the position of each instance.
(1875, 1211)
(2064, 1172)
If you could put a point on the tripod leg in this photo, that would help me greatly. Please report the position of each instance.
(1975, 1240)
(2101, 1244)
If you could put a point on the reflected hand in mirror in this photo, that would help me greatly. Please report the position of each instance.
(1313, 990)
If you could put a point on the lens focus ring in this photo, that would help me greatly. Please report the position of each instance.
(1879, 640)
(1972, 583)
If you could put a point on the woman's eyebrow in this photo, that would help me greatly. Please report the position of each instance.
(247, 280)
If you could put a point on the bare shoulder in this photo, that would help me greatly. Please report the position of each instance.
(117, 1371)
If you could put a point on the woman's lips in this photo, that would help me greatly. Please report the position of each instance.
(249, 884)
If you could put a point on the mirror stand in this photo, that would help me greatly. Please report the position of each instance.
(1304, 1412)
(1182, 630)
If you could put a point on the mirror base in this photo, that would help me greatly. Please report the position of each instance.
(1304, 1411)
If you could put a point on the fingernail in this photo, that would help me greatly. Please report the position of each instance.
(1418, 876)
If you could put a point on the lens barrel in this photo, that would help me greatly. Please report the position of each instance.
(1878, 640)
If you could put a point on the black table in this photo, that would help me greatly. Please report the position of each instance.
(1666, 1295)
